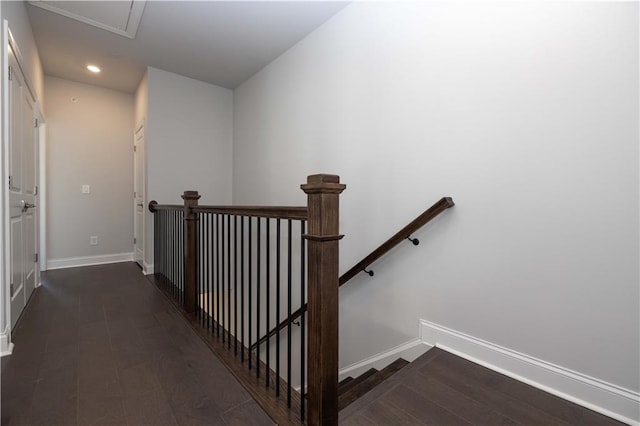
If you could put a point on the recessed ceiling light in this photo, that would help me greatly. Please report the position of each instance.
(93, 68)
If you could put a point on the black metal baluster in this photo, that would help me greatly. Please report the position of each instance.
(258, 331)
(175, 254)
(229, 282)
(218, 274)
(179, 262)
(210, 271)
(268, 302)
(235, 285)
(161, 232)
(241, 289)
(200, 232)
(250, 219)
(277, 307)
(165, 250)
(156, 245)
(181, 256)
(172, 220)
(168, 249)
(163, 237)
(303, 259)
(289, 313)
(204, 300)
(204, 294)
(224, 253)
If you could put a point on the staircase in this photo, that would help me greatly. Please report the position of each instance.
(243, 274)
(350, 389)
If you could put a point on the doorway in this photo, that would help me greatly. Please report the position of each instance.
(23, 177)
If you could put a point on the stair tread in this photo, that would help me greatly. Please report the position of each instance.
(355, 391)
(356, 381)
(345, 381)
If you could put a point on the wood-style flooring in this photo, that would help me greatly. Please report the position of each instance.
(442, 389)
(101, 345)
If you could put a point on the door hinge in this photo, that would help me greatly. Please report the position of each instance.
(35, 122)
(11, 290)
(35, 257)
(135, 194)
(134, 241)
(10, 181)
(10, 73)
(135, 148)
(35, 190)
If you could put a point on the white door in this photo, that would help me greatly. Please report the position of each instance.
(22, 190)
(138, 196)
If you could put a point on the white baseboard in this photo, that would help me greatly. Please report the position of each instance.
(606, 398)
(408, 351)
(6, 347)
(72, 262)
(148, 268)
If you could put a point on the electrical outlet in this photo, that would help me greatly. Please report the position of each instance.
(93, 240)
(86, 189)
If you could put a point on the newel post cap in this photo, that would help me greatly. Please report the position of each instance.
(190, 195)
(323, 183)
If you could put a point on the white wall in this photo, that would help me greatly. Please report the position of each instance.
(525, 113)
(141, 101)
(189, 141)
(89, 142)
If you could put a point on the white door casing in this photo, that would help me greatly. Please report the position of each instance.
(138, 196)
(22, 189)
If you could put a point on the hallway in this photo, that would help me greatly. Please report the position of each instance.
(100, 345)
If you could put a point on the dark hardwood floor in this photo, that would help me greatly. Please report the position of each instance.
(101, 345)
(442, 389)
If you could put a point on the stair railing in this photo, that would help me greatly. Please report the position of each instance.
(404, 234)
(216, 262)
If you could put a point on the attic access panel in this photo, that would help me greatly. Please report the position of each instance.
(119, 17)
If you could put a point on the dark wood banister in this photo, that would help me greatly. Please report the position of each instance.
(441, 205)
(322, 235)
(294, 213)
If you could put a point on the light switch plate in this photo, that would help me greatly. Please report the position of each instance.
(86, 189)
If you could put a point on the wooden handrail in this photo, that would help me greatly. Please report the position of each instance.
(441, 205)
(279, 212)
(154, 206)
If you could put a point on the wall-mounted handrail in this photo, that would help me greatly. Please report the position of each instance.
(443, 204)
(405, 233)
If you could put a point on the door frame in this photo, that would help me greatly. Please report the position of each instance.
(141, 125)
(41, 197)
(6, 345)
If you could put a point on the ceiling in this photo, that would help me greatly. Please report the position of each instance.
(219, 42)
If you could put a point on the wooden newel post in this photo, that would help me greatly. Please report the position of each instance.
(190, 251)
(323, 236)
